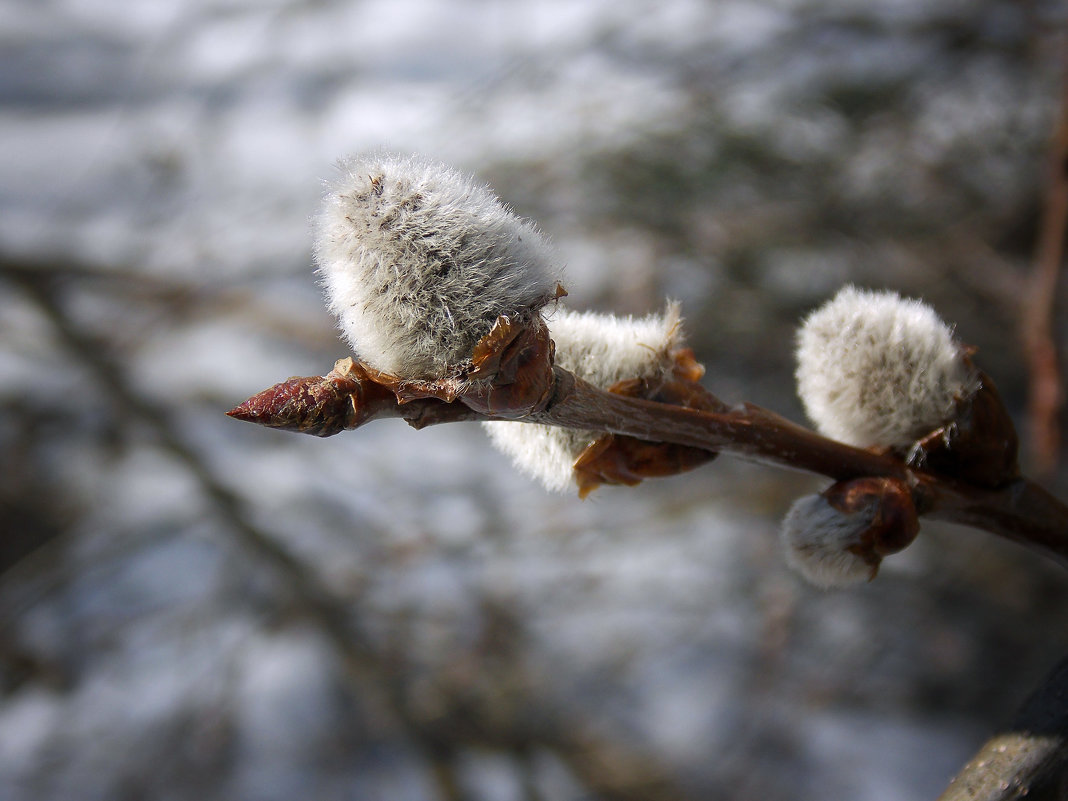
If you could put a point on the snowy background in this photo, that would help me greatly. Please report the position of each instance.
(194, 608)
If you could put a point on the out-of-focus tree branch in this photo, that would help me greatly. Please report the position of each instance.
(1046, 391)
(1015, 507)
(171, 299)
(612, 771)
(1028, 759)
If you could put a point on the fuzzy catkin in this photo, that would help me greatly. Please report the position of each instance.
(875, 370)
(817, 537)
(419, 260)
(602, 349)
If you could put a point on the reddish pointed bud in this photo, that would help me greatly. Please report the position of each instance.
(307, 404)
(318, 405)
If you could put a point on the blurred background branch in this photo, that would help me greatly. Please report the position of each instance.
(1046, 398)
(1028, 758)
(160, 162)
(503, 721)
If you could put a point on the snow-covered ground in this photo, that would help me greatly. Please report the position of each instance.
(159, 163)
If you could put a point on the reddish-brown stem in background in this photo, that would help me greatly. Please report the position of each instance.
(1046, 395)
(1019, 510)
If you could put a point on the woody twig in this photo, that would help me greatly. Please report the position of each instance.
(452, 303)
(348, 397)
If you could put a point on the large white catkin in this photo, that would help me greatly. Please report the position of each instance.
(817, 536)
(876, 370)
(418, 260)
(602, 349)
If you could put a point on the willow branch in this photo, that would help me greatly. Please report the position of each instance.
(747, 431)
(348, 398)
(1020, 511)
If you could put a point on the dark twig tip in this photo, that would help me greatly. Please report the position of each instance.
(242, 412)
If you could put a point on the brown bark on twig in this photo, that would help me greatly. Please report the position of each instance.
(1014, 508)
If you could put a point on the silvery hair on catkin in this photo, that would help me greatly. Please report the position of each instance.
(602, 349)
(419, 260)
(818, 540)
(875, 369)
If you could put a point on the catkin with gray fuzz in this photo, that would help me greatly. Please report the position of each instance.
(602, 349)
(875, 370)
(419, 260)
(817, 539)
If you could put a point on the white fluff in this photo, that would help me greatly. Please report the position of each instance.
(816, 536)
(875, 370)
(602, 349)
(418, 261)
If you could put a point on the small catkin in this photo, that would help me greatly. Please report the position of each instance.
(602, 349)
(419, 260)
(817, 537)
(876, 370)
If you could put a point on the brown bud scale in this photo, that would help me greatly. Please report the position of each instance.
(894, 523)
